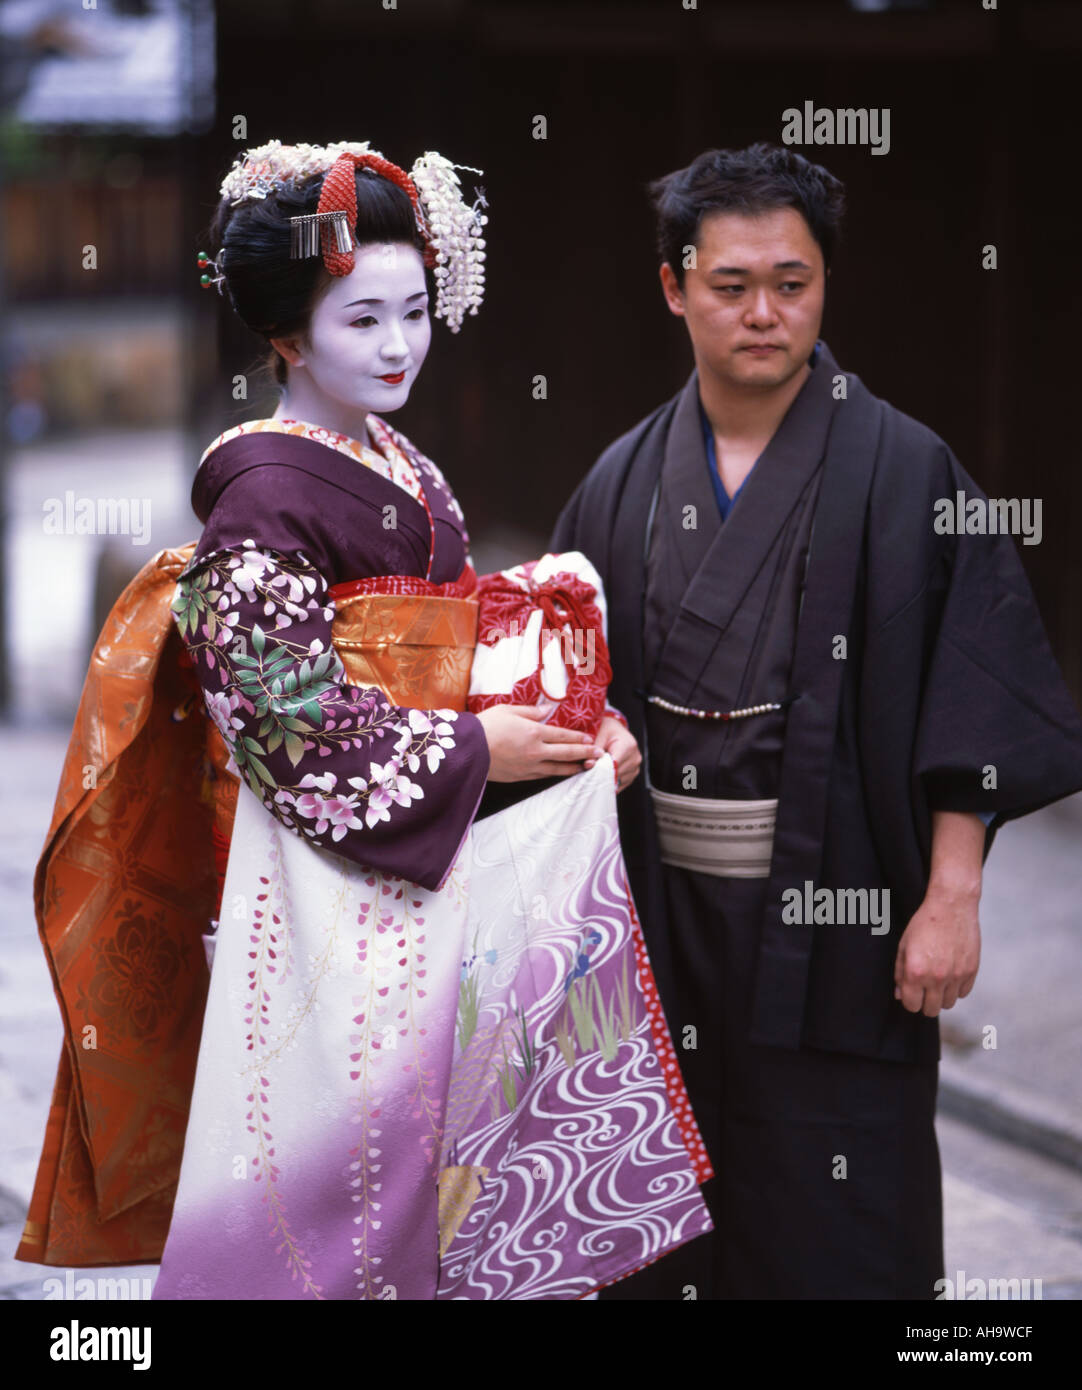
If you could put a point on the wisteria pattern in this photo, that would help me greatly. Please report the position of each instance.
(257, 624)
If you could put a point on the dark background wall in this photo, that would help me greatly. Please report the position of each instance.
(982, 151)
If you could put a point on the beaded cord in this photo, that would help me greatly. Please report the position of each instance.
(711, 713)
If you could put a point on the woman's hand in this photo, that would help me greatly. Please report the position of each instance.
(522, 748)
(614, 739)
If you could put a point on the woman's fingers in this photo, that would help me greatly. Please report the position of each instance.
(553, 733)
(562, 744)
(571, 752)
(552, 769)
(554, 751)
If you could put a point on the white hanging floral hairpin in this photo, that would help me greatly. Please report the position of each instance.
(451, 229)
(454, 234)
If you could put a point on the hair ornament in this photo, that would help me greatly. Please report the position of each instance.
(203, 260)
(265, 168)
(451, 230)
(455, 233)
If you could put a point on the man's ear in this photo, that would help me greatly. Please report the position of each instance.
(670, 288)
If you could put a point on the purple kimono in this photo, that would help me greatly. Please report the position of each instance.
(433, 1063)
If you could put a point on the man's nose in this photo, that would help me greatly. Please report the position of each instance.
(762, 310)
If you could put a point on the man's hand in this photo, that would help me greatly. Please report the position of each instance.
(940, 949)
(614, 739)
(938, 954)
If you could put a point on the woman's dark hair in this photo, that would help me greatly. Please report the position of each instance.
(757, 179)
(274, 294)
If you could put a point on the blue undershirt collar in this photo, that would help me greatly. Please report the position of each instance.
(724, 501)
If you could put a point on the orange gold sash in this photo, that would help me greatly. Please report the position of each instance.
(418, 649)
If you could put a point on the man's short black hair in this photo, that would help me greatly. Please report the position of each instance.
(757, 179)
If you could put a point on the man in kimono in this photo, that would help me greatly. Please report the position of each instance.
(839, 700)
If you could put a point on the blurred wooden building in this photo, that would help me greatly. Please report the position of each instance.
(981, 154)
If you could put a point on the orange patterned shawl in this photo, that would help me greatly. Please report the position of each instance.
(123, 890)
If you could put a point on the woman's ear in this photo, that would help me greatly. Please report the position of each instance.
(290, 349)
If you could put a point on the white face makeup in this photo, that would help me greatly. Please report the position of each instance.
(368, 336)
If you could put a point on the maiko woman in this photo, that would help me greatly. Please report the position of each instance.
(431, 1062)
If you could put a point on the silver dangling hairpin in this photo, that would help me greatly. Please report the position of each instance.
(305, 233)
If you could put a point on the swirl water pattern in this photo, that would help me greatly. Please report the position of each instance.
(474, 1071)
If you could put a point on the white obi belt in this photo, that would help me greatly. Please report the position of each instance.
(729, 839)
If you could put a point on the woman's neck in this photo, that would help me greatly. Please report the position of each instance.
(294, 406)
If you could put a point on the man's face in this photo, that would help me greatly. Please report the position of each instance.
(758, 283)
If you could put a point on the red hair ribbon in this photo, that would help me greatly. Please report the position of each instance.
(339, 194)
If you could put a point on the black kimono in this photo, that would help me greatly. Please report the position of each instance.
(815, 1088)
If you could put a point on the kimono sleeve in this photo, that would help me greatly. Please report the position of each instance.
(998, 730)
(388, 787)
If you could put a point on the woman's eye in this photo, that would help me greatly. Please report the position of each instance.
(417, 314)
(364, 321)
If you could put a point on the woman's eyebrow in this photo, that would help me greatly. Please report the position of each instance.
(421, 294)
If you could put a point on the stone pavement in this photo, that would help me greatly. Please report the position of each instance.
(1027, 1089)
